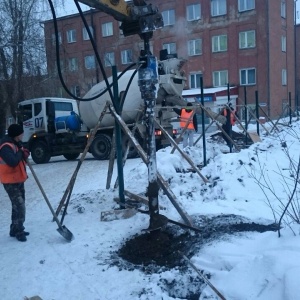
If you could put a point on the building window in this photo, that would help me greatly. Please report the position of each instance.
(59, 92)
(193, 12)
(73, 64)
(75, 90)
(126, 56)
(246, 5)
(85, 33)
(248, 76)
(71, 36)
(54, 39)
(109, 59)
(283, 43)
(283, 9)
(284, 77)
(219, 43)
(61, 65)
(171, 47)
(220, 78)
(218, 7)
(247, 39)
(195, 47)
(107, 29)
(195, 80)
(168, 17)
(89, 62)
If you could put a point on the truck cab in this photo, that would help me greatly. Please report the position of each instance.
(52, 127)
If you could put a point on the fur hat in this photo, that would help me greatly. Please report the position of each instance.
(14, 130)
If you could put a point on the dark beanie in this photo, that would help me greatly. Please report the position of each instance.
(14, 130)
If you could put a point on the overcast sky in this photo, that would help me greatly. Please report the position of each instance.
(69, 8)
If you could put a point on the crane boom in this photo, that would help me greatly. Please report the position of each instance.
(137, 17)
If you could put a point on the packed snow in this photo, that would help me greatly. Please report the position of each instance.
(253, 184)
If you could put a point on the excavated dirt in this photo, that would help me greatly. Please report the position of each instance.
(162, 248)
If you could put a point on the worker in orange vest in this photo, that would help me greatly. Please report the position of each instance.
(229, 113)
(192, 127)
(13, 174)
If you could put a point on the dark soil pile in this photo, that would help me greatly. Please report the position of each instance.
(163, 248)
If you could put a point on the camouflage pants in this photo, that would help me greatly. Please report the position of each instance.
(16, 193)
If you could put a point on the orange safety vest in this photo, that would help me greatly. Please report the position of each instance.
(9, 174)
(184, 117)
(232, 116)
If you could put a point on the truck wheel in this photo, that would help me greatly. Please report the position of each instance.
(132, 153)
(101, 146)
(71, 156)
(40, 153)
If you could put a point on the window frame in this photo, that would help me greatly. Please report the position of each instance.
(247, 70)
(53, 38)
(85, 35)
(283, 43)
(244, 3)
(89, 65)
(130, 56)
(73, 64)
(107, 58)
(284, 77)
(75, 90)
(71, 36)
(246, 38)
(61, 65)
(168, 17)
(218, 37)
(216, 5)
(192, 44)
(283, 9)
(168, 46)
(106, 28)
(194, 16)
(194, 80)
(219, 73)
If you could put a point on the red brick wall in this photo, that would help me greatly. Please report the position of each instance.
(266, 57)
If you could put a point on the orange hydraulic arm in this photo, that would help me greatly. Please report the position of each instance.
(137, 17)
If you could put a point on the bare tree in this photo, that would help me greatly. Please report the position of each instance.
(22, 54)
(287, 209)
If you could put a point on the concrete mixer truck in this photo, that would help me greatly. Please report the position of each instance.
(60, 126)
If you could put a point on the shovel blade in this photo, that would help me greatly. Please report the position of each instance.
(66, 233)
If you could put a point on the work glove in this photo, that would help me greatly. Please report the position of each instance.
(26, 153)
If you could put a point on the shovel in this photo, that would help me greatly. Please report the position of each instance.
(63, 230)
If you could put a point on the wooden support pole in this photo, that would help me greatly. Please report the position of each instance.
(253, 115)
(83, 155)
(187, 158)
(183, 130)
(220, 128)
(160, 179)
(203, 277)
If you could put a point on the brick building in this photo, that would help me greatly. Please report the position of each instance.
(249, 44)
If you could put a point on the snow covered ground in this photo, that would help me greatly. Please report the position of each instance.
(243, 266)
